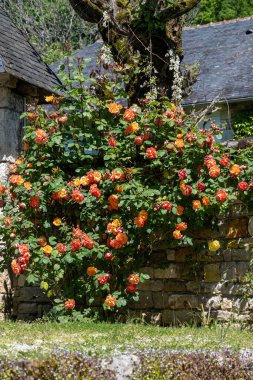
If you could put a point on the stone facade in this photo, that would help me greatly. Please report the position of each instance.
(184, 285)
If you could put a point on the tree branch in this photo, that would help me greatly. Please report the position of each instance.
(174, 11)
(90, 10)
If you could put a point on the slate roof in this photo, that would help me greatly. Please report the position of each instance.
(224, 53)
(20, 59)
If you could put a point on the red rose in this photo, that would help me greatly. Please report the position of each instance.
(70, 304)
(94, 190)
(77, 196)
(166, 205)
(131, 288)
(182, 174)
(87, 241)
(201, 186)
(75, 245)
(23, 248)
(112, 142)
(34, 202)
(138, 140)
(243, 186)
(224, 161)
(221, 195)
(61, 248)
(151, 153)
(108, 256)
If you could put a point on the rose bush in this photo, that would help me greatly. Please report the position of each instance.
(99, 183)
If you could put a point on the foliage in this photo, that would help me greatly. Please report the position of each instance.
(99, 183)
(243, 124)
(50, 25)
(59, 366)
(167, 365)
(216, 10)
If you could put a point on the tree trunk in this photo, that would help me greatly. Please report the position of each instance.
(147, 36)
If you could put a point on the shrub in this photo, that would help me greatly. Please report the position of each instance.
(243, 124)
(192, 366)
(99, 183)
(63, 366)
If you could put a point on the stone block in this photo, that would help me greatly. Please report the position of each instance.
(145, 301)
(246, 244)
(171, 254)
(211, 288)
(21, 280)
(228, 272)
(183, 253)
(241, 255)
(231, 289)
(183, 301)
(157, 257)
(177, 317)
(241, 269)
(172, 271)
(152, 285)
(212, 272)
(237, 228)
(174, 286)
(250, 226)
(160, 300)
(225, 316)
(193, 286)
(213, 303)
(226, 304)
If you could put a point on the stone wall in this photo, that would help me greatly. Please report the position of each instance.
(184, 285)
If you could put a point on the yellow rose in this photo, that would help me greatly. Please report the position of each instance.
(44, 285)
(47, 250)
(57, 222)
(49, 99)
(77, 182)
(214, 245)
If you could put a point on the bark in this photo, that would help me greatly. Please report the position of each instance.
(147, 36)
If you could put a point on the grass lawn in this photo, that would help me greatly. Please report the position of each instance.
(38, 340)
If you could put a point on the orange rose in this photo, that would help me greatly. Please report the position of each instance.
(91, 271)
(235, 170)
(57, 222)
(70, 304)
(28, 185)
(205, 201)
(110, 301)
(180, 210)
(132, 128)
(62, 193)
(181, 226)
(214, 171)
(85, 181)
(115, 108)
(196, 204)
(133, 279)
(177, 235)
(77, 182)
(112, 227)
(179, 143)
(41, 137)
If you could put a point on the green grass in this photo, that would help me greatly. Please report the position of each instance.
(37, 340)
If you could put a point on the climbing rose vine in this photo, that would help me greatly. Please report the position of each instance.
(99, 183)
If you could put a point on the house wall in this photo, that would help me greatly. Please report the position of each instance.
(11, 107)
